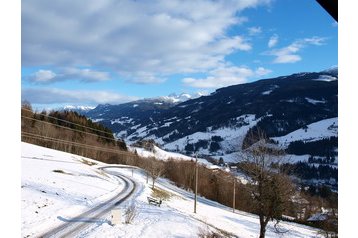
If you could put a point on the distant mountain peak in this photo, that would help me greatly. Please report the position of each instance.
(83, 108)
(175, 98)
(79, 108)
(332, 70)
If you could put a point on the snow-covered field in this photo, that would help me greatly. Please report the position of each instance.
(232, 136)
(48, 198)
(56, 186)
(158, 153)
(315, 131)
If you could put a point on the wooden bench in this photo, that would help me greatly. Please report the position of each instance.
(154, 201)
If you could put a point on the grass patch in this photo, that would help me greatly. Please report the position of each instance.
(161, 194)
(90, 163)
(102, 173)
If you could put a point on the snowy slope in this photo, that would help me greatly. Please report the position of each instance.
(315, 131)
(232, 136)
(82, 185)
(47, 196)
(165, 155)
(175, 218)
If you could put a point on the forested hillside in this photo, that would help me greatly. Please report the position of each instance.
(70, 132)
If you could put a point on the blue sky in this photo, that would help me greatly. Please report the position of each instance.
(93, 52)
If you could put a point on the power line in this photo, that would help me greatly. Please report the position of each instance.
(85, 132)
(69, 122)
(40, 137)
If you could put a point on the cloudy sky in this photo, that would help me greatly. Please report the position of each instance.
(90, 52)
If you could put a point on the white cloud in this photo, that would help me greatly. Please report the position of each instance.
(313, 41)
(43, 76)
(157, 38)
(254, 30)
(86, 75)
(225, 76)
(261, 71)
(289, 54)
(57, 96)
(273, 41)
(287, 58)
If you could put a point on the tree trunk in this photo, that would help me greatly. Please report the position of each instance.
(263, 224)
(262, 232)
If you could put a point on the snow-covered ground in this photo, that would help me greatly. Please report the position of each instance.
(175, 217)
(82, 185)
(158, 153)
(57, 185)
(315, 131)
(232, 136)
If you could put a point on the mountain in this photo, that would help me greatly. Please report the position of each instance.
(79, 109)
(217, 124)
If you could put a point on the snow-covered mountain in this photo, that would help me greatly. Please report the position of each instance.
(217, 124)
(79, 109)
(174, 98)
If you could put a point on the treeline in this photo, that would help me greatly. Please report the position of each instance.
(215, 185)
(304, 170)
(70, 132)
(77, 122)
(324, 147)
(213, 145)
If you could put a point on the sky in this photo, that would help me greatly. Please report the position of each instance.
(94, 52)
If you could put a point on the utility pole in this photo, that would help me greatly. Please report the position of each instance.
(233, 199)
(196, 182)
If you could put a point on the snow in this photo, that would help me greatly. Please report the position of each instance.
(326, 78)
(174, 218)
(170, 134)
(272, 88)
(232, 136)
(165, 155)
(121, 134)
(47, 195)
(315, 131)
(170, 119)
(141, 132)
(313, 101)
(135, 127)
(97, 120)
(267, 92)
(174, 98)
(84, 108)
(167, 124)
(318, 217)
(121, 121)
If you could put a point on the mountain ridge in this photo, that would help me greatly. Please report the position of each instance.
(278, 105)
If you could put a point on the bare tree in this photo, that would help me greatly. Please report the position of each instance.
(271, 191)
(130, 214)
(155, 168)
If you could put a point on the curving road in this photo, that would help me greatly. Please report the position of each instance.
(73, 226)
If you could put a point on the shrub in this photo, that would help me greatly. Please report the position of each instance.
(130, 214)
